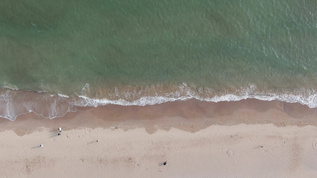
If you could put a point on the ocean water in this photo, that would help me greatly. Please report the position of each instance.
(139, 52)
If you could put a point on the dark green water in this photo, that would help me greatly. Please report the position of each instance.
(61, 46)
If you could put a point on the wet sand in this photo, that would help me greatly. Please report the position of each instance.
(248, 138)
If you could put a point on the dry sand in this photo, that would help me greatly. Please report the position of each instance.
(195, 139)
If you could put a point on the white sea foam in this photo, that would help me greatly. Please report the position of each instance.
(13, 105)
(62, 95)
(310, 101)
(307, 97)
(85, 89)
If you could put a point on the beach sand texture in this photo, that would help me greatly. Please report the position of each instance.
(94, 144)
(217, 151)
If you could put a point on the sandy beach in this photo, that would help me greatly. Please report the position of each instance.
(185, 139)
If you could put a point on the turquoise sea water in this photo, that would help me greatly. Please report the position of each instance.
(110, 50)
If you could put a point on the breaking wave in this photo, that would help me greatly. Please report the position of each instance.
(14, 103)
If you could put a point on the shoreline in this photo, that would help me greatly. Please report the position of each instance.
(190, 115)
(17, 103)
(248, 138)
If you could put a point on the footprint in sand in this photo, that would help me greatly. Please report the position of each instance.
(229, 153)
(315, 145)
